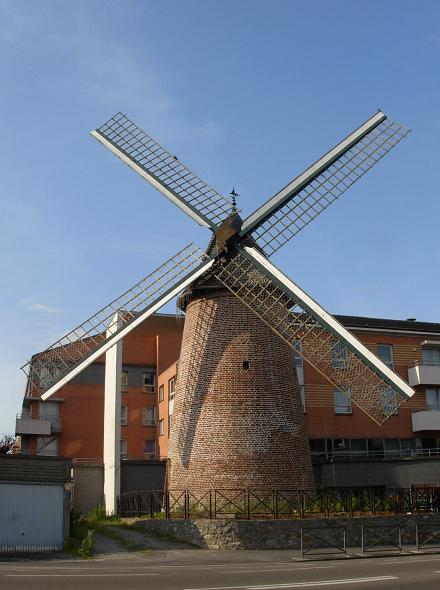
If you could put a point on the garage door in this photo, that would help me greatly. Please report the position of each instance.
(31, 517)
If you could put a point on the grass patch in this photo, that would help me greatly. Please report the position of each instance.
(80, 543)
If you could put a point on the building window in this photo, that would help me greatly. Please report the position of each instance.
(49, 411)
(391, 447)
(297, 348)
(169, 424)
(171, 388)
(359, 447)
(299, 364)
(246, 365)
(388, 402)
(124, 381)
(149, 449)
(433, 398)
(431, 356)
(123, 447)
(47, 445)
(339, 354)
(161, 427)
(148, 382)
(161, 393)
(148, 416)
(124, 415)
(385, 353)
(342, 402)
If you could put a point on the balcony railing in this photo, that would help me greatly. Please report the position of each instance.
(385, 454)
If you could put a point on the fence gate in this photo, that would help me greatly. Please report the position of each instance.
(31, 517)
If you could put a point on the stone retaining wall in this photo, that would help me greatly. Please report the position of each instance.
(276, 534)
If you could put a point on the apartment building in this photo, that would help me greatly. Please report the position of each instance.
(337, 428)
(71, 424)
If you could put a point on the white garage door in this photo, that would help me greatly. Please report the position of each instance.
(31, 517)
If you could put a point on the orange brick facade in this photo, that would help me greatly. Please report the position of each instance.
(155, 346)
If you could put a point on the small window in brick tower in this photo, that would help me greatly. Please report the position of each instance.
(171, 388)
(148, 382)
(246, 365)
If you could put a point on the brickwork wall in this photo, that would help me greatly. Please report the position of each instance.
(235, 427)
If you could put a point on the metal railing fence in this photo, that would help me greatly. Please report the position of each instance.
(279, 504)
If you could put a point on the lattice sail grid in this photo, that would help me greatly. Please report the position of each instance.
(47, 367)
(312, 199)
(319, 347)
(165, 168)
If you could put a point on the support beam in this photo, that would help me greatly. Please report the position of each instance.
(112, 421)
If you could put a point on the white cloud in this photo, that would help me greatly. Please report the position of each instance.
(31, 305)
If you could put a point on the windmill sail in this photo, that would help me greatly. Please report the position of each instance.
(284, 215)
(49, 370)
(325, 344)
(164, 171)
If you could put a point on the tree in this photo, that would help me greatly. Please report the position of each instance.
(7, 444)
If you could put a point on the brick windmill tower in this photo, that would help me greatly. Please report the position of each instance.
(238, 418)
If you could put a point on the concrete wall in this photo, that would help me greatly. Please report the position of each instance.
(402, 473)
(88, 481)
(88, 486)
(277, 534)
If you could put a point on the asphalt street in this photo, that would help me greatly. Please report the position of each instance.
(197, 570)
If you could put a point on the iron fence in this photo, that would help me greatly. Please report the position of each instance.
(279, 504)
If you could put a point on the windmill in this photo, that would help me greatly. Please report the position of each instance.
(238, 420)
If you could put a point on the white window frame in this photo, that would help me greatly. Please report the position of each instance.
(435, 361)
(148, 387)
(161, 427)
(339, 355)
(49, 411)
(148, 421)
(151, 455)
(386, 397)
(339, 407)
(124, 381)
(124, 414)
(434, 407)
(124, 447)
(388, 363)
(47, 446)
(171, 392)
(161, 393)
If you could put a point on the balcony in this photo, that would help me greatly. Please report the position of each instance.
(425, 420)
(25, 424)
(424, 374)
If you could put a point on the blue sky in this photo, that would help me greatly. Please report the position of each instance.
(247, 94)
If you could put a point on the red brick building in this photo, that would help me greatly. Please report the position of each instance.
(71, 423)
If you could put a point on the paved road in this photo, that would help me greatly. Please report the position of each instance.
(213, 570)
